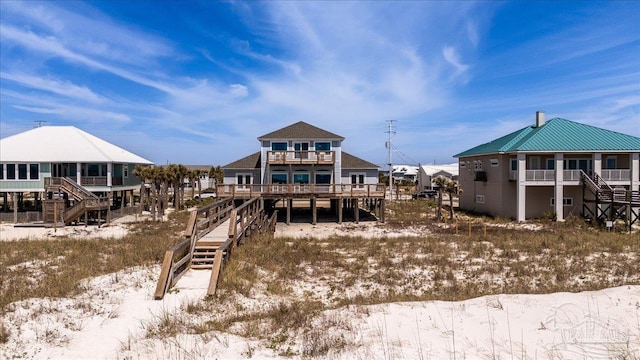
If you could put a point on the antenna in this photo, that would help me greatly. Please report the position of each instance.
(39, 123)
(390, 147)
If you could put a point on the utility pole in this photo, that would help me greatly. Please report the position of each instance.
(390, 147)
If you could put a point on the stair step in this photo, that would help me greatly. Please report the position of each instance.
(200, 247)
(201, 267)
(210, 242)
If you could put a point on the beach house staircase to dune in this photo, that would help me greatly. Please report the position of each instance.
(67, 202)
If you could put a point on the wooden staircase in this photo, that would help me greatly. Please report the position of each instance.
(79, 201)
(204, 253)
(212, 232)
(602, 203)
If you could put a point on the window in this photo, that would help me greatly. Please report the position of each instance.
(534, 162)
(34, 172)
(551, 164)
(126, 170)
(278, 178)
(357, 178)
(514, 164)
(323, 178)
(611, 162)
(462, 164)
(323, 146)
(11, 171)
(243, 179)
(494, 162)
(279, 146)
(301, 178)
(22, 171)
(94, 170)
(480, 199)
(1, 171)
(565, 201)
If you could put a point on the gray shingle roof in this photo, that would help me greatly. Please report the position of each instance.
(248, 162)
(351, 162)
(301, 130)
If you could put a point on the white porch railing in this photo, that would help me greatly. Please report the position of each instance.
(540, 175)
(571, 175)
(615, 174)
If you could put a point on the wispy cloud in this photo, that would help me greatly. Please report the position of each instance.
(64, 88)
(451, 55)
(78, 113)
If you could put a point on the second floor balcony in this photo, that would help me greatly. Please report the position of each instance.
(610, 175)
(300, 157)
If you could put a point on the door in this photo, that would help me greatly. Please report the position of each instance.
(357, 181)
(302, 150)
(244, 181)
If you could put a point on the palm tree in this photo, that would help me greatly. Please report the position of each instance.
(199, 174)
(192, 175)
(145, 174)
(452, 188)
(217, 174)
(441, 182)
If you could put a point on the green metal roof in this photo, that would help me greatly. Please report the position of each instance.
(558, 135)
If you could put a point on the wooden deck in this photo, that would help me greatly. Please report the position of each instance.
(303, 191)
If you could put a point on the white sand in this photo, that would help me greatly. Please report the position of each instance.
(110, 319)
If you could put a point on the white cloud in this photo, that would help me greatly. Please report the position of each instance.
(64, 88)
(52, 46)
(451, 55)
(238, 90)
(77, 113)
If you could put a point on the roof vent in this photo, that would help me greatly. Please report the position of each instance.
(539, 118)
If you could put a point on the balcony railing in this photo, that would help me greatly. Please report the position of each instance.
(572, 175)
(304, 190)
(300, 157)
(615, 174)
(540, 175)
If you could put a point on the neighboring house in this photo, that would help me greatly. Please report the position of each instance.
(50, 158)
(301, 161)
(405, 172)
(427, 174)
(520, 175)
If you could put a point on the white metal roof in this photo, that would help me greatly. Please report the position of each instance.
(63, 144)
(432, 169)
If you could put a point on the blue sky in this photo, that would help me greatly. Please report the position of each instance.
(197, 82)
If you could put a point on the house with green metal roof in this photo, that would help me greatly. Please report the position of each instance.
(520, 175)
(302, 161)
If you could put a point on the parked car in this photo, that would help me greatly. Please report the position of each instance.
(425, 194)
(208, 193)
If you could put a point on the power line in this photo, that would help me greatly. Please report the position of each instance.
(404, 156)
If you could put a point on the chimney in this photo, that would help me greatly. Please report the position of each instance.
(539, 118)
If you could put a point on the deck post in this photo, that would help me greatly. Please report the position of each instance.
(314, 211)
(356, 209)
(340, 204)
(15, 207)
(382, 210)
(289, 205)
